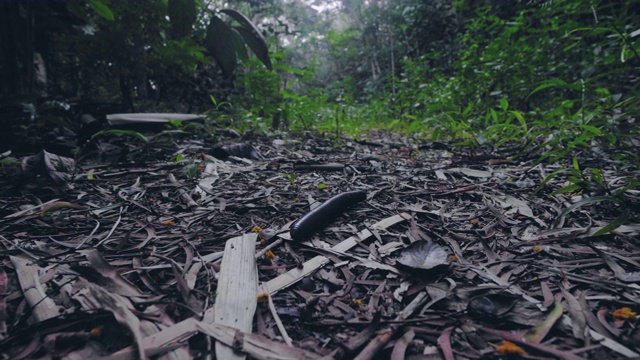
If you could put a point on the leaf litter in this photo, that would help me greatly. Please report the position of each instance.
(449, 256)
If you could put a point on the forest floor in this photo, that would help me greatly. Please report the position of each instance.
(451, 254)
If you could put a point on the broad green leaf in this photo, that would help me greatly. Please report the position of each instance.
(256, 47)
(252, 36)
(220, 44)
(239, 42)
(101, 9)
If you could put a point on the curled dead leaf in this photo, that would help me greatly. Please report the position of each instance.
(492, 304)
(423, 255)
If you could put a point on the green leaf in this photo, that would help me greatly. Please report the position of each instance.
(101, 9)
(547, 179)
(548, 84)
(591, 129)
(567, 189)
(538, 332)
(467, 110)
(213, 100)
(520, 117)
(219, 42)
(494, 115)
(252, 36)
(504, 104)
(239, 42)
(581, 140)
(192, 171)
(614, 224)
(632, 184)
(135, 134)
(597, 176)
(582, 202)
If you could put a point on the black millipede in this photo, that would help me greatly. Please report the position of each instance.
(304, 227)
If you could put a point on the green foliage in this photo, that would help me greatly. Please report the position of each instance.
(149, 50)
(291, 177)
(191, 170)
(183, 14)
(552, 80)
(549, 80)
(101, 8)
(131, 133)
(221, 45)
(268, 100)
(226, 43)
(592, 184)
(251, 36)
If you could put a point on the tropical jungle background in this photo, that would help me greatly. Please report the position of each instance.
(534, 78)
(483, 156)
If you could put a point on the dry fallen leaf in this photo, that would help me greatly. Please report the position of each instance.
(424, 255)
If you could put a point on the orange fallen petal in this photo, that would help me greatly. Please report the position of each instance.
(509, 348)
(625, 313)
(96, 331)
(269, 255)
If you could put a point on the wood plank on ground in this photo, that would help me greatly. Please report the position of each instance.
(237, 292)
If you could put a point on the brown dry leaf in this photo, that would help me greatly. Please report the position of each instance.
(348, 289)
(423, 254)
(579, 322)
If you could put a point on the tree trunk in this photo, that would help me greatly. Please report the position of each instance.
(16, 49)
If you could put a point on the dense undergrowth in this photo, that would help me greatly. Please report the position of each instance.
(542, 80)
(550, 80)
